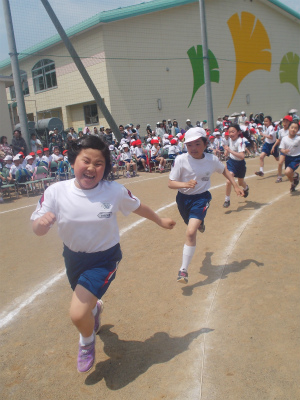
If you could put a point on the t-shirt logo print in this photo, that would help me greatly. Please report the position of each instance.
(105, 214)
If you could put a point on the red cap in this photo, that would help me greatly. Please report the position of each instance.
(216, 130)
(39, 152)
(181, 137)
(211, 137)
(32, 154)
(137, 142)
(46, 149)
(173, 141)
(154, 141)
(20, 152)
(226, 133)
(133, 143)
(288, 118)
(170, 137)
(65, 151)
(252, 130)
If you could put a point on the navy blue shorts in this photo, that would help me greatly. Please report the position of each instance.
(193, 206)
(267, 147)
(171, 156)
(93, 271)
(292, 162)
(139, 157)
(237, 167)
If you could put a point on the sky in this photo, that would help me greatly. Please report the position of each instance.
(32, 24)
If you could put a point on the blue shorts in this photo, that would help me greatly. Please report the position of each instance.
(292, 162)
(139, 157)
(171, 156)
(93, 271)
(247, 144)
(267, 147)
(193, 206)
(237, 167)
(153, 159)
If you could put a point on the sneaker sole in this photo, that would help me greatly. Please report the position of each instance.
(182, 280)
(101, 311)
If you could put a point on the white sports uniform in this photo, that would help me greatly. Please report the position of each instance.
(293, 144)
(186, 168)
(270, 131)
(282, 133)
(238, 146)
(86, 219)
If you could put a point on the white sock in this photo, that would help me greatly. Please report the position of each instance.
(227, 198)
(261, 169)
(84, 341)
(187, 255)
(94, 310)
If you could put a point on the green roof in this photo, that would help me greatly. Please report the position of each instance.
(119, 14)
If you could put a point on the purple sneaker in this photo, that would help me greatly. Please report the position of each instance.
(86, 357)
(100, 307)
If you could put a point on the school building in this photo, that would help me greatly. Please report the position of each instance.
(146, 61)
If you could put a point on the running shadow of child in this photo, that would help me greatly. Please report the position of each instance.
(248, 205)
(130, 358)
(215, 272)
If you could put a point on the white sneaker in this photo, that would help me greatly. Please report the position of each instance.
(128, 175)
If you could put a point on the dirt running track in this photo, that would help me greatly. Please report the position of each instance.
(231, 333)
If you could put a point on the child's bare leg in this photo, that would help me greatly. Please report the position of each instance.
(241, 182)
(280, 165)
(290, 174)
(261, 161)
(82, 304)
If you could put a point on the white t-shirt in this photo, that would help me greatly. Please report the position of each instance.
(126, 156)
(238, 146)
(47, 159)
(270, 131)
(186, 168)
(86, 219)
(282, 133)
(139, 151)
(293, 144)
(173, 149)
(57, 157)
(154, 150)
(225, 141)
(14, 169)
(30, 168)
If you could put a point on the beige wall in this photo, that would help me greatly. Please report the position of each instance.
(142, 59)
(5, 124)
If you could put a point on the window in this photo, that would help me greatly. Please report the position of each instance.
(44, 75)
(91, 114)
(24, 83)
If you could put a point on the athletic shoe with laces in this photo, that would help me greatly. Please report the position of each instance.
(201, 228)
(86, 357)
(100, 307)
(293, 188)
(246, 192)
(183, 277)
(278, 180)
(226, 204)
(259, 173)
(296, 179)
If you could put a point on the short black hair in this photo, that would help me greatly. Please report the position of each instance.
(235, 126)
(90, 142)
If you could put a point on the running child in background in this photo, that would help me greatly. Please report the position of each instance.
(290, 147)
(281, 134)
(269, 136)
(236, 164)
(191, 177)
(86, 207)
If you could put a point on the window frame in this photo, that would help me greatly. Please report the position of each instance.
(44, 75)
(95, 122)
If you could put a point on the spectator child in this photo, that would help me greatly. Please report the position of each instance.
(126, 159)
(156, 155)
(140, 155)
(46, 157)
(191, 177)
(91, 264)
(56, 156)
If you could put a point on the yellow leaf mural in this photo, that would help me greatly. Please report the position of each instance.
(251, 45)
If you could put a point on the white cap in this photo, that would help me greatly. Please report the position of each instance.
(111, 147)
(194, 134)
(188, 120)
(243, 112)
(125, 145)
(157, 123)
(8, 157)
(166, 136)
(149, 140)
(17, 157)
(28, 157)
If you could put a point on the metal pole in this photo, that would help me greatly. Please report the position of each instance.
(16, 72)
(90, 84)
(209, 104)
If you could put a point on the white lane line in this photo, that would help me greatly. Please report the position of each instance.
(229, 250)
(7, 317)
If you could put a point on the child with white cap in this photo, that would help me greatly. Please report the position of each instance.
(126, 158)
(190, 175)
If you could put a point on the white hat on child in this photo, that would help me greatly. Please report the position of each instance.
(28, 157)
(17, 157)
(7, 158)
(125, 145)
(194, 134)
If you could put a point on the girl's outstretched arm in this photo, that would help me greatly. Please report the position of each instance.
(147, 212)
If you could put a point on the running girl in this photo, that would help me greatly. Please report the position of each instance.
(85, 210)
(281, 134)
(191, 177)
(290, 147)
(270, 138)
(236, 164)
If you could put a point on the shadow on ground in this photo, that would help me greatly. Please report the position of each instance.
(248, 205)
(129, 359)
(215, 272)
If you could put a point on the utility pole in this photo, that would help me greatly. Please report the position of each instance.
(209, 104)
(90, 84)
(16, 71)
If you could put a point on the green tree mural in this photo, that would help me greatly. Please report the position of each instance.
(196, 59)
(289, 69)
